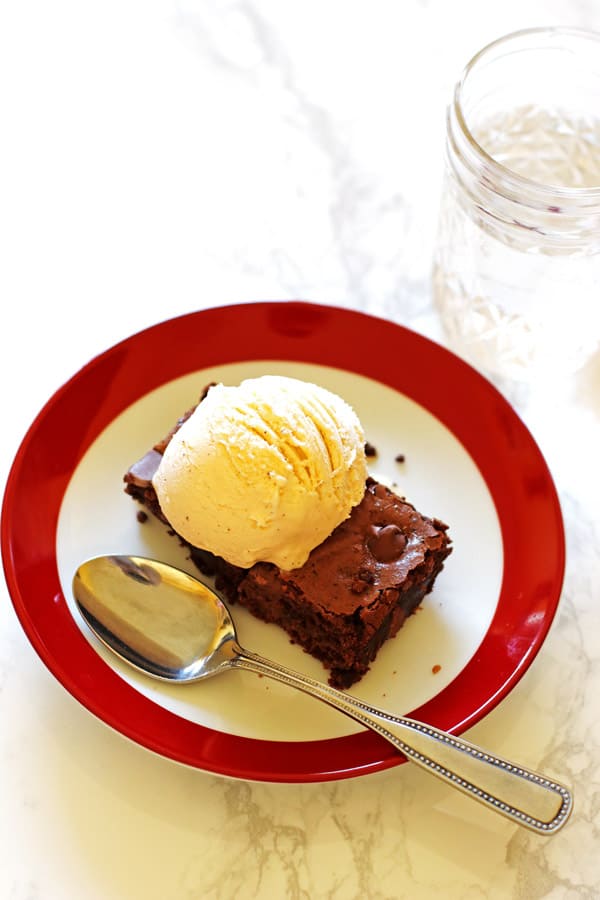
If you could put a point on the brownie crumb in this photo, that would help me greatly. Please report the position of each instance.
(400, 458)
(370, 450)
(142, 516)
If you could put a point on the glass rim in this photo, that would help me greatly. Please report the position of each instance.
(580, 196)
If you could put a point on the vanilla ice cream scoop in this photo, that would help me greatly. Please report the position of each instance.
(263, 472)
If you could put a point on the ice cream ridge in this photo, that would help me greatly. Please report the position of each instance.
(263, 471)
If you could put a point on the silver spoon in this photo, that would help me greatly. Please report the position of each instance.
(169, 625)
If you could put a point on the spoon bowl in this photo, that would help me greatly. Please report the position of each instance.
(155, 617)
(170, 626)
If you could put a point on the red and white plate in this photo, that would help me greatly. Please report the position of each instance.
(468, 460)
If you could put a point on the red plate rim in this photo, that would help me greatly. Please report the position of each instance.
(466, 403)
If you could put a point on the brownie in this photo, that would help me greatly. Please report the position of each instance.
(355, 590)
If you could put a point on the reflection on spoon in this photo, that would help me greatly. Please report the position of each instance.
(169, 625)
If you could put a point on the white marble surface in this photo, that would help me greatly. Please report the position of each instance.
(159, 157)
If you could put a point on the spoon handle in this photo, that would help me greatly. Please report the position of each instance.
(525, 797)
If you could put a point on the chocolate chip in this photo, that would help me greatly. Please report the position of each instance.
(142, 472)
(370, 450)
(386, 543)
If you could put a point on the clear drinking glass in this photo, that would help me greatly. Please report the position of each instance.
(516, 273)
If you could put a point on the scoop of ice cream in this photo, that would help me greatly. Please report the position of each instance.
(263, 471)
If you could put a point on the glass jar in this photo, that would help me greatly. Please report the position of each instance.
(516, 274)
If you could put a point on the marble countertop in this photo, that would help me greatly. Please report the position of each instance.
(163, 157)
